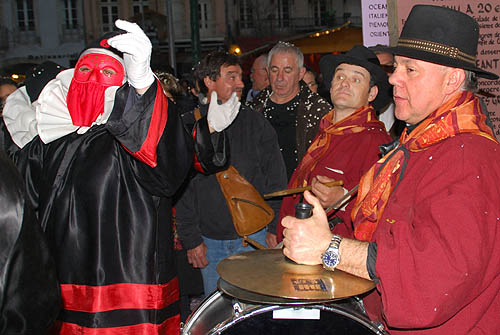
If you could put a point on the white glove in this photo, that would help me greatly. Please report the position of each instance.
(219, 117)
(136, 48)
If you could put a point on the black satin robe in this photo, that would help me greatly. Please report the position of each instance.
(107, 218)
(29, 292)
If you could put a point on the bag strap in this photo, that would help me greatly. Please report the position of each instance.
(247, 240)
(197, 114)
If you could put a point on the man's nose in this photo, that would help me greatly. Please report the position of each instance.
(281, 75)
(394, 77)
(239, 83)
(93, 74)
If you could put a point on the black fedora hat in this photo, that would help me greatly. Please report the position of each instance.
(364, 57)
(443, 36)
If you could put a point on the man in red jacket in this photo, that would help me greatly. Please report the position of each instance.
(427, 215)
(349, 136)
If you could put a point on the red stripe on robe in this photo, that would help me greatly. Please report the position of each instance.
(169, 326)
(95, 299)
(147, 153)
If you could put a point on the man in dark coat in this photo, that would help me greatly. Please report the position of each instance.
(290, 106)
(204, 222)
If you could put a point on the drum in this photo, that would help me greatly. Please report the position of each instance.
(223, 314)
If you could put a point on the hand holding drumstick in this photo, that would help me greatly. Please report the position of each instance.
(290, 191)
(327, 195)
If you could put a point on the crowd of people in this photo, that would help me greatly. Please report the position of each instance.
(114, 221)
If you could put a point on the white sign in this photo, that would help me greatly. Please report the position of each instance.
(375, 26)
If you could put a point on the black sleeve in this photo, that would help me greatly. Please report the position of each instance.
(131, 124)
(371, 261)
(212, 150)
(188, 221)
(30, 294)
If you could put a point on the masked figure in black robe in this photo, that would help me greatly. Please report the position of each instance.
(109, 153)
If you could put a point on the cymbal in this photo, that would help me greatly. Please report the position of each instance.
(245, 295)
(268, 272)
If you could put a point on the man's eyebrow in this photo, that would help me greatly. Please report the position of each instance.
(286, 67)
(341, 69)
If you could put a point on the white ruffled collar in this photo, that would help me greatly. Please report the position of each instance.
(48, 116)
(19, 117)
(52, 115)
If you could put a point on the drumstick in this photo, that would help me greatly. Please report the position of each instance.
(342, 201)
(300, 189)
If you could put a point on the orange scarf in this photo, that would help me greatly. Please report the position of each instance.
(355, 123)
(462, 114)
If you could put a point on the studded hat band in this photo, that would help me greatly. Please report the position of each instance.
(436, 48)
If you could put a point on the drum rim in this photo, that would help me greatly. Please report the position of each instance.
(259, 308)
(363, 320)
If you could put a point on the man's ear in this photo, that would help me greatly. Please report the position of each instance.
(302, 72)
(209, 83)
(372, 94)
(454, 81)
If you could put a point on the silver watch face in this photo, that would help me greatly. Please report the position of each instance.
(331, 259)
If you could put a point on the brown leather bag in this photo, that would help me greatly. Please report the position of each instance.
(250, 212)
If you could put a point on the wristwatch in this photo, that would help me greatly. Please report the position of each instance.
(331, 256)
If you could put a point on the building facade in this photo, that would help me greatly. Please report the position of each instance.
(152, 16)
(255, 22)
(33, 31)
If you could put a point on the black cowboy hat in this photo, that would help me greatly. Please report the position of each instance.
(443, 36)
(364, 57)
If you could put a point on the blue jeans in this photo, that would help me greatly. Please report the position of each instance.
(217, 250)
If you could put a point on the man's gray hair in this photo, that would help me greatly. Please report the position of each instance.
(285, 47)
(470, 82)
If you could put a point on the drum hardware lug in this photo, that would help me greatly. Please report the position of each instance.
(380, 327)
(359, 303)
(237, 309)
(183, 324)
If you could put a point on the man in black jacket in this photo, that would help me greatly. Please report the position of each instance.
(290, 106)
(204, 222)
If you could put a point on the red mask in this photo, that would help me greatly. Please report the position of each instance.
(92, 77)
